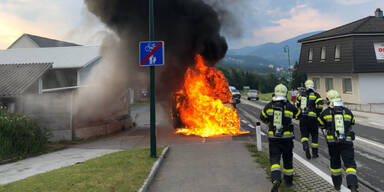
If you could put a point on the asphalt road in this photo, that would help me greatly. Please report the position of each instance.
(369, 148)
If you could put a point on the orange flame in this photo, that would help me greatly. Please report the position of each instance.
(206, 108)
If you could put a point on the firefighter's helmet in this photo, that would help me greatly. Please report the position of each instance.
(309, 84)
(333, 96)
(281, 90)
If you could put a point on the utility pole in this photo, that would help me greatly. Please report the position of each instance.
(286, 50)
(152, 86)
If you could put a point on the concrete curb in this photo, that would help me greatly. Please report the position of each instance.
(155, 168)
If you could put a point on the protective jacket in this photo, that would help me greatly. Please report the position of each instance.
(310, 103)
(278, 116)
(338, 122)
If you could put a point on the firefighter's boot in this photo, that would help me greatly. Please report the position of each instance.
(337, 181)
(276, 185)
(353, 188)
(288, 179)
(306, 149)
(315, 152)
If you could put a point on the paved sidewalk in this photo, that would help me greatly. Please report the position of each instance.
(222, 166)
(370, 119)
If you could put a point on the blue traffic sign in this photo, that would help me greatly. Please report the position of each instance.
(151, 53)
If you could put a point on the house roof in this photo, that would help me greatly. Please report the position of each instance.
(16, 78)
(60, 57)
(367, 25)
(46, 42)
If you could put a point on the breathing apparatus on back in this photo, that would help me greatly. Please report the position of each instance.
(334, 101)
(281, 92)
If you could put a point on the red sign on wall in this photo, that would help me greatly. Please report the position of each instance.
(379, 49)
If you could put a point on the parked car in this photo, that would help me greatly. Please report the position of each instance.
(236, 96)
(253, 95)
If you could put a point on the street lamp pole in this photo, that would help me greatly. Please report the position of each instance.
(286, 50)
(152, 86)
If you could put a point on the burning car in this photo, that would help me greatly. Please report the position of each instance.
(175, 101)
(204, 105)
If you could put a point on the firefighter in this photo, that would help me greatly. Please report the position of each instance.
(337, 121)
(278, 115)
(311, 104)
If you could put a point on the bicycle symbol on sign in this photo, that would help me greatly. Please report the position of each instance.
(150, 47)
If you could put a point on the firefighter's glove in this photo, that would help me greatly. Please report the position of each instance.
(352, 134)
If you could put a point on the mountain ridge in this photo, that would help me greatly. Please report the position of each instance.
(273, 53)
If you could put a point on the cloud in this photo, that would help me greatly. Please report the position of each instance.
(353, 2)
(13, 27)
(53, 19)
(301, 19)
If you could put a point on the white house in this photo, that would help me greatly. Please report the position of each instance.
(40, 77)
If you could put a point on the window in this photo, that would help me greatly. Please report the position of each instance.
(347, 85)
(316, 81)
(337, 53)
(323, 54)
(59, 78)
(310, 55)
(328, 84)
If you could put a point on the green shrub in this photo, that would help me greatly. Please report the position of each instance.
(20, 136)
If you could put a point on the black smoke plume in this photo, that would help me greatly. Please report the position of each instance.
(188, 27)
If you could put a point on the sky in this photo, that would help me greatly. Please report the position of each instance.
(261, 21)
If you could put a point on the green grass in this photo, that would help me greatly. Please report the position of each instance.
(268, 96)
(262, 158)
(121, 172)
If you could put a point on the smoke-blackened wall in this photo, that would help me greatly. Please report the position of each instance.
(188, 27)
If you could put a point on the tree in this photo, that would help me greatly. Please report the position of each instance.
(298, 79)
(252, 79)
(268, 83)
(264, 83)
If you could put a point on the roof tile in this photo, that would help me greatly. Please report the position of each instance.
(369, 24)
(16, 78)
(47, 42)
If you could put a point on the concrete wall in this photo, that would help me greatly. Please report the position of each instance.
(94, 118)
(371, 87)
(24, 42)
(353, 97)
(59, 112)
(102, 128)
(52, 110)
(372, 108)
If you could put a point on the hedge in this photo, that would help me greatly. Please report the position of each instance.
(20, 136)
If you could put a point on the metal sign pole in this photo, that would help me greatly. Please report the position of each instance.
(152, 86)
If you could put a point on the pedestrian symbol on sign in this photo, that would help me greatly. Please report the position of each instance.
(152, 53)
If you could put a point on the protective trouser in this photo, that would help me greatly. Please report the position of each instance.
(278, 148)
(345, 151)
(308, 126)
